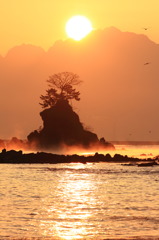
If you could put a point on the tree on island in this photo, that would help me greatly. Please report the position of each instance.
(61, 125)
(61, 88)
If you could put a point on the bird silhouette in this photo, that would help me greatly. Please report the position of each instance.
(145, 28)
(146, 63)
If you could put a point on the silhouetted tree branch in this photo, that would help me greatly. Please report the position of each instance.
(61, 87)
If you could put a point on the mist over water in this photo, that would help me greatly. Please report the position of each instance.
(131, 150)
(140, 150)
(79, 201)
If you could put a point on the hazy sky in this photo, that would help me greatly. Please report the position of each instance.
(42, 22)
(119, 99)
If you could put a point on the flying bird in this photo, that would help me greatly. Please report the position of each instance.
(146, 63)
(145, 28)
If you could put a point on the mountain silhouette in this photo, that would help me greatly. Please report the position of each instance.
(25, 54)
(119, 94)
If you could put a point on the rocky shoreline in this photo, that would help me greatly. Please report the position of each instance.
(18, 157)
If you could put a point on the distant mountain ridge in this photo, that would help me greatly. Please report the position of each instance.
(119, 94)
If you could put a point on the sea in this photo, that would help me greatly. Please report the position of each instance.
(72, 201)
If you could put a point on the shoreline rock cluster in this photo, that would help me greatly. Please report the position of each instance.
(18, 157)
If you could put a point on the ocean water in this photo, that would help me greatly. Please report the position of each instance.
(78, 201)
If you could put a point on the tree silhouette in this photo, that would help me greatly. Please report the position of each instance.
(61, 88)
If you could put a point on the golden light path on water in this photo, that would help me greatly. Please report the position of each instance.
(81, 201)
(78, 201)
(78, 197)
(87, 201)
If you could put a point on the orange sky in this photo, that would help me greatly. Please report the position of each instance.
(121, 92)
(42, 22)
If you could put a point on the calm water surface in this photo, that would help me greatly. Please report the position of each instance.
(79, 201)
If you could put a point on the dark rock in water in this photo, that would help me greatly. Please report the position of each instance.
(147, 164)
(62, 126)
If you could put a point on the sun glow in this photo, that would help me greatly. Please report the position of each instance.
(78, 27)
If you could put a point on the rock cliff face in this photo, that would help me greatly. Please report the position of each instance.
(62, 126)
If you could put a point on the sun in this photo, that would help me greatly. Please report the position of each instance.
(78, 27)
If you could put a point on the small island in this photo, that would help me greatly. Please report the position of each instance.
(62, 129)
(61, 125)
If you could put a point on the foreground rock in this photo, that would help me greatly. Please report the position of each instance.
(62, 126)
(18, 157)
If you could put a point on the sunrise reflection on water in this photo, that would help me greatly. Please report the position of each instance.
(78, 201)
(76, 197)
